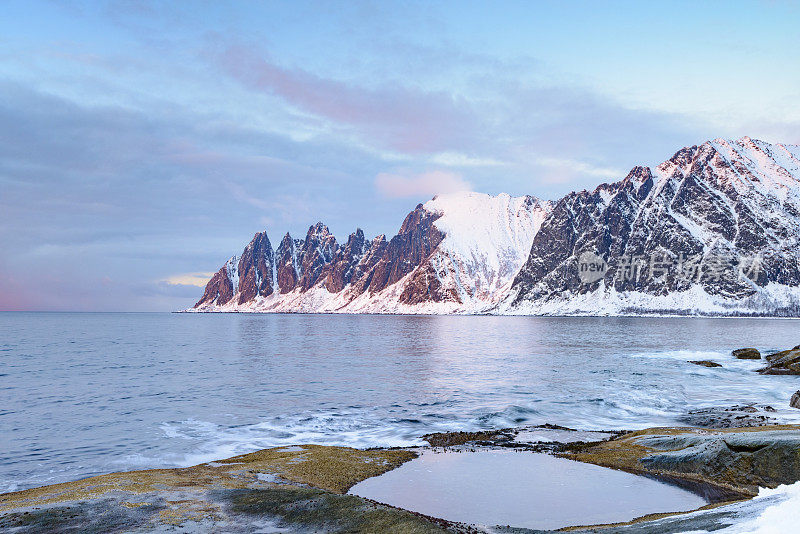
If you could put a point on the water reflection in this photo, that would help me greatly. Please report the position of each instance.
(522, 489)
(166, 389)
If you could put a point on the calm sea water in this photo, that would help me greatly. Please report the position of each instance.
(82, 394)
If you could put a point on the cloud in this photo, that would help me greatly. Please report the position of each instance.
(139, 193)
(189, 279)
(417, 185)
(570, 167)
(546, 133)
(408, 119)
(457, 159)
(105, 171)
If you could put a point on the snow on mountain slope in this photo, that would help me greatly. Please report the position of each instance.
(713, 230)
(457, 253)
(486, 241)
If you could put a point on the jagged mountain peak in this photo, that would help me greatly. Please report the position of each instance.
(720, 205)
(319, 229)
(712, 204)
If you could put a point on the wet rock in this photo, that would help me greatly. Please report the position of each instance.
(747, 354)
(795, 402)
(453, 439)
(555, 435)
(705, 363)
(740, 460)
(284, 489)
(786, 362)
(310, 510)
(747, 415)
(751, 459)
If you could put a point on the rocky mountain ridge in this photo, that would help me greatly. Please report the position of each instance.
(714, 230)
(455, 253)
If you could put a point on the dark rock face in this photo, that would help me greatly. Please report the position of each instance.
(580, 222)
(318, 250)
(360, 265)
(365, 268)
(407, 250)
(425, 286)
(746, 354)
(795, 400)
(343, 268)
(255, 269)
(287, 263)
(219, 289)
(702, 219)
(250, 276)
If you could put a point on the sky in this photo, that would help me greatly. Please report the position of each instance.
(143, 143)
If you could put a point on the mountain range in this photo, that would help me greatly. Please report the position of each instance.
(714, 230)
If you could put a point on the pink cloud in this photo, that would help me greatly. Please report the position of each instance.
(419, 185)
(406, 119)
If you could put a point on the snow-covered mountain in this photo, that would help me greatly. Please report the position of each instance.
(713, 230)
(457, 253)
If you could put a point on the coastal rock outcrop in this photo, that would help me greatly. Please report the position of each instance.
(285, 489)
(741, 459)
(748, 415)
(786, 362)
(304, 488)
(705, 363)
(746, 354)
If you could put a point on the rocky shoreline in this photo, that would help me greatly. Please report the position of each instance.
(725, 455)
(304, 488)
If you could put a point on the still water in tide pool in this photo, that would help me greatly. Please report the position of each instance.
(523, 489)
(82, 394)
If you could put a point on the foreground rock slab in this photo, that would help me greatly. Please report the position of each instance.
(739, 460)
(287, 489)
(302, 488)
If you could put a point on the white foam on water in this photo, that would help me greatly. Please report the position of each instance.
(684, 355)
(209, 441)
(728, 362)
(8, 487)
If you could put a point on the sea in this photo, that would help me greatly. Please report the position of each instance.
(89, 393)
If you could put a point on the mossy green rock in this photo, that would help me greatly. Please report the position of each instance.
(740, 459)
(285, 489)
